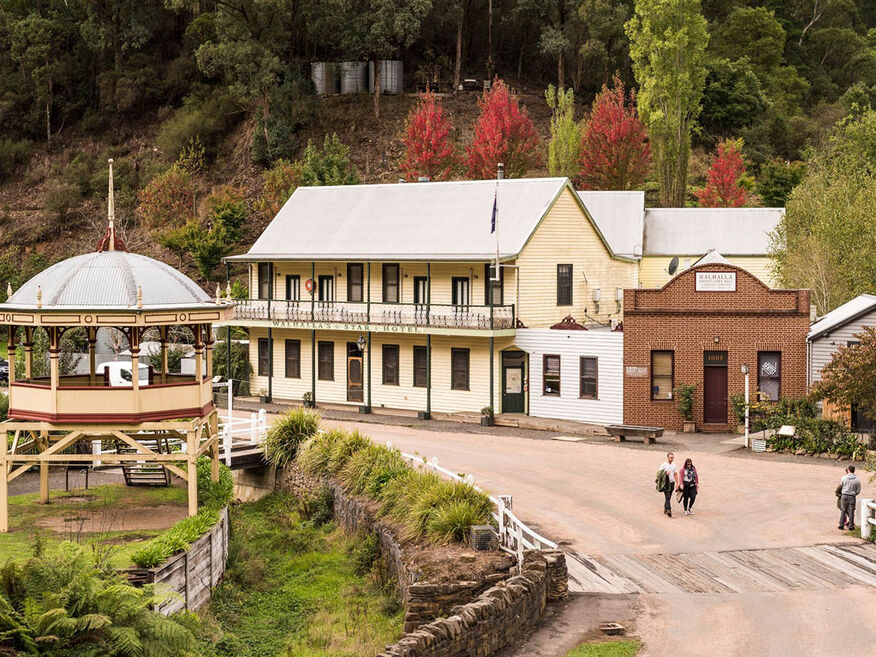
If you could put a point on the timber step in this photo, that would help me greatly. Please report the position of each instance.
(819, 567)
(145, 474)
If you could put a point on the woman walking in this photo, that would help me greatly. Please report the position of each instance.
(690, 481)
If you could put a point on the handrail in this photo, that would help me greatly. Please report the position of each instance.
(514, 534)
(379, 313)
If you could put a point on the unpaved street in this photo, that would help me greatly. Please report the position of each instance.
(599, 499)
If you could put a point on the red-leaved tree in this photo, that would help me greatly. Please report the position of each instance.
(428, 150)
(504, 133)
(723, 181)
(615, 153)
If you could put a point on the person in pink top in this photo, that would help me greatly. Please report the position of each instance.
(690, 482)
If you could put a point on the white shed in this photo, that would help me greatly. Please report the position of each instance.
(575, 374)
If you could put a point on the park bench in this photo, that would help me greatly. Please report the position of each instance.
(621, 432)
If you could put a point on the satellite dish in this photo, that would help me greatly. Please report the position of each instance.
(673, 266)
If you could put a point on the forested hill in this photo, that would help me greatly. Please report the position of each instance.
(222, 89)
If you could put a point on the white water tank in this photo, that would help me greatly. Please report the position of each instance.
(391, 76)
(325, 77)
(354, 77)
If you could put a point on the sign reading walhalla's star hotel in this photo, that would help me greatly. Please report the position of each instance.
(716, 281)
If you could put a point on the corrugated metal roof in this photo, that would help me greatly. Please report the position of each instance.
(694, 231)
(410, 221)
(620, 217)
(109, 279)
(850, 310)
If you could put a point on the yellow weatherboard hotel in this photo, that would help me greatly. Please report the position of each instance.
(381, 295)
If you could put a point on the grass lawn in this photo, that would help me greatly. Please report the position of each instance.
(622, 648)
(292, 589)
(105, 503)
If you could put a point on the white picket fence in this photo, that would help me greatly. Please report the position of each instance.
(868, 518)
(514, 535)
(251, 430)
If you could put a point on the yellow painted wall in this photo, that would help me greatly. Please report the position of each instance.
(402, 396)
(652, 270)
(442, 277)
(566, 236)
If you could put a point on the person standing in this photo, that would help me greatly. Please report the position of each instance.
(667, 481)
(690, 482)
(850, 489)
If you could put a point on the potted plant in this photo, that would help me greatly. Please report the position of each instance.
(488, 416)
(263, 396)
(307, 400)
(684, 394)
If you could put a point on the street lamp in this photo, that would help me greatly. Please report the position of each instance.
(744, 370)
(361, 342)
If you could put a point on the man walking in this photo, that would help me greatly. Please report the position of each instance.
(667, 482)
(850, 489)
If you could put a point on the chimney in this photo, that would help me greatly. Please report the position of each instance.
(500, 174)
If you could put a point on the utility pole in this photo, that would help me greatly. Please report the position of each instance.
(490, 43)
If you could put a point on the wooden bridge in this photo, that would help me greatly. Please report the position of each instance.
(820, 567)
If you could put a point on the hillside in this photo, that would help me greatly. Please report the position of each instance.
(43, 212)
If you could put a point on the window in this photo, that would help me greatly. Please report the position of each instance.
(390, 364)
(564, 285)
(493, 290)
(459, 296)
(420, 294)
(265, 280)
(589, 378)
(293, 359)
(662, 374)
(326, 288)
(769, 374)
(354, 282)
(390, 284)
(326, 361)
(420, 367)
(459, 362)
(551, 375)
(293, 287)
(264, 357)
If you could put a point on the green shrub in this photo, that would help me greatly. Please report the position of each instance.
(437, 500)
(202, 119)
(346, 445)
(214, 494)
(287, 433)
(364, 554)
(176, 539)
(451, 521)
(60, 198)
(684, 394)
(319, 508)
(62, 604)
(398, 496)
(369, 469)
(13, 154)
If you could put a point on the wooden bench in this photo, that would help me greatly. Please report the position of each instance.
(621, 432)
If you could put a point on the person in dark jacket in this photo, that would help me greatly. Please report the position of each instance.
(690, 482)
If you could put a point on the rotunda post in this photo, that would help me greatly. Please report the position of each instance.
(28, 352)
(92, 356)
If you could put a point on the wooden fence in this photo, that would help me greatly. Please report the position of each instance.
(190, 575)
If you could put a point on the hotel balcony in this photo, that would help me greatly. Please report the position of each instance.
(379, 317)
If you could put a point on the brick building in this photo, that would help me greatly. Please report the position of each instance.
(700, 328)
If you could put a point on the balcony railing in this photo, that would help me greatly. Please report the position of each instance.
(388, 314)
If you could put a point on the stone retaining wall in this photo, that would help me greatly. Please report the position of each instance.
(474, 618)
(501, 616)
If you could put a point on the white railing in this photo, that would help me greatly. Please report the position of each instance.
(252, 429)
(868, 518)
(514, 535)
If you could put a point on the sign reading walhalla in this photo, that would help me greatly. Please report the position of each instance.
(716, 281)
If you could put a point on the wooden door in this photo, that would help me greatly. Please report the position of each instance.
(354, 373)
(715, 395)
(513, 396)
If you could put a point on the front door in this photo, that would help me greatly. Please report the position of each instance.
(354, 372)
(715, 387)
(513, 400)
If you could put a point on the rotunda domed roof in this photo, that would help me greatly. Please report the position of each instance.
(110, 280)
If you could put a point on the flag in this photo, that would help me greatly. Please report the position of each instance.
(495, 212)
